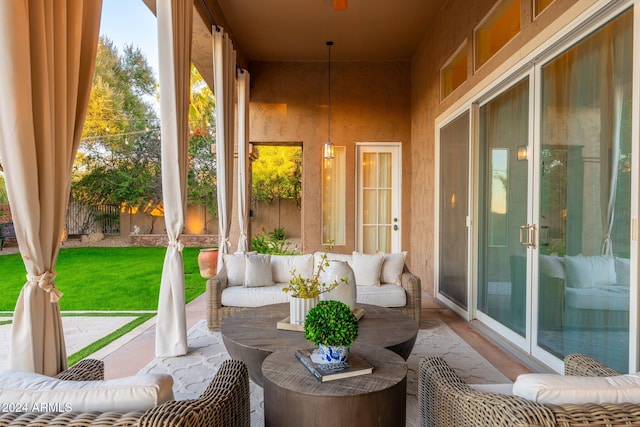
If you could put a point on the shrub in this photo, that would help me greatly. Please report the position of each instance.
(331, 323)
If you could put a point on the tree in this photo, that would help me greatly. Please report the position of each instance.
(277, 173)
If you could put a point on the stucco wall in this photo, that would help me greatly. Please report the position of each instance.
(370, 103)
(455, 23)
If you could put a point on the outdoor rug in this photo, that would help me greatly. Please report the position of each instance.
(193, 372)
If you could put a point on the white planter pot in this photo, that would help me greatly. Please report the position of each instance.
(298, 309)
(345, 292)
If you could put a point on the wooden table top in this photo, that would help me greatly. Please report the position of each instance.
(283, 369)
(255, 328)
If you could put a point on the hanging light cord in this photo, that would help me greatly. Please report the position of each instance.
(329, 44)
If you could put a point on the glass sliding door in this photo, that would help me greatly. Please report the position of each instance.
(454, 205)
(503, 207)
(585, 197)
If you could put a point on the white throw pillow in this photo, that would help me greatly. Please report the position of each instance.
(235, 266)
(560, 389)
(552, 266)
(257, 271)
(589, 271)
(39, 393)
(623, 267)
(283, 265)
(367, 268)
(392, 267)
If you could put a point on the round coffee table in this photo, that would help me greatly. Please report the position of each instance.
(251, 335)
(294, 397)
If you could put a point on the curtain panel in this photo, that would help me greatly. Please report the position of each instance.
(243, 167)
(49, 49)
(224, 73)
(174, 41)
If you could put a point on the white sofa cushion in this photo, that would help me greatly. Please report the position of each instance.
(383, 295)
(589, 271)
(392, 267)
(559, 389)
(40, 393)
(240, 296)
(317, 258)
(367, 268)
(257, 270)
(283, 265)
(504, 388)
(235, 265)
(614, 298)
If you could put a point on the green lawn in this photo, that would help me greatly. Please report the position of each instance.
(104, 278)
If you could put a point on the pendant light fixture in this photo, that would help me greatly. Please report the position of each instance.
(327, 151)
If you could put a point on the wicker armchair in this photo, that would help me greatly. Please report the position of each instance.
(224, 403)
(445, 400)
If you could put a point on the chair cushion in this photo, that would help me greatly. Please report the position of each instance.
(383, 295)
(240, 296)
(615, 298)
(367, 268)
(257, 270)
(283, 265)
(392, 267)
(40, 393)
(559, 389)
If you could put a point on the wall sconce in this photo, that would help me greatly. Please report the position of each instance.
(453, 200)
(522, 152)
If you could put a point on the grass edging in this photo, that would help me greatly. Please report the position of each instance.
(104, 341)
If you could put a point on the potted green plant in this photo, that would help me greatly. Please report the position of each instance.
(333, 327)
(305, 291)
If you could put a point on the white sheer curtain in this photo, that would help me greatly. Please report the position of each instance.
(224, 72)
(243, 144)
(48, 50)
(174, 41)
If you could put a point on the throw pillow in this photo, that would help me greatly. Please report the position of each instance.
(40, 393)
(552, 266)
(367, 268)
(589, 271)
(235, 266)
(392, 267)
(257, 271)
(561, 389)
(622, 271)
(283, 265)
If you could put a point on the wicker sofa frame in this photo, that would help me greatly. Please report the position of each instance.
(445, 399)
(224, 403)
(216, 312)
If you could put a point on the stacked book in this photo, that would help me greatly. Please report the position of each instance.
(354, 366)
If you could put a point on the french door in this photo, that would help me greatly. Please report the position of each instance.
(378, 225)
(554, 202)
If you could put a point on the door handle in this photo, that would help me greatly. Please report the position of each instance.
(528, 235)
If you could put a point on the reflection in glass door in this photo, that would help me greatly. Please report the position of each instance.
(503, 207)
(585, 197)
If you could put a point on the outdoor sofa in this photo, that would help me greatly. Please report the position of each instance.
(444, 399)
(381, 279)
(224, 403)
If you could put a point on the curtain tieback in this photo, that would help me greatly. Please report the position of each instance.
(46, 282)
(176, 243)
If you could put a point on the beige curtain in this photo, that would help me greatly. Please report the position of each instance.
(224, 72)
(243, 144)
(174, 42)
(48, 50)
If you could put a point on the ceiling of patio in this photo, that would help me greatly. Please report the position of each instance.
(297, 30)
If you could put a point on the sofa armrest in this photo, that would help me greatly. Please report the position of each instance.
(84, 370)
(413, 288)
(215, 285)
(444, 399)
(225, 403)
(583, 365)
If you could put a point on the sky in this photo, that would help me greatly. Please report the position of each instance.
(128, 22)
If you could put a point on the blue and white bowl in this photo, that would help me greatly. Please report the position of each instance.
(333, 354)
